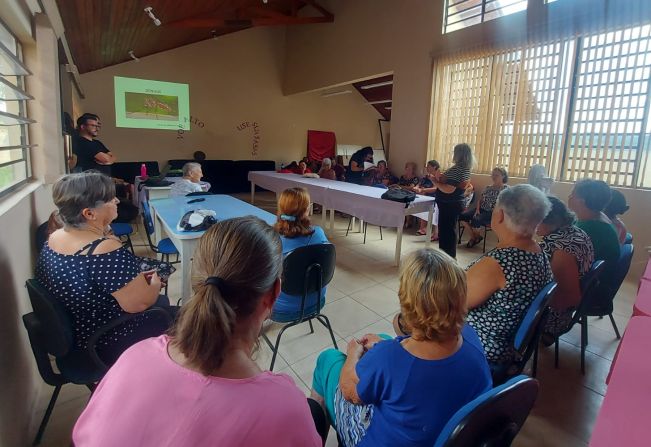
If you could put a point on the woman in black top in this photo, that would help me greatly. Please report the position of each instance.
(355, 172)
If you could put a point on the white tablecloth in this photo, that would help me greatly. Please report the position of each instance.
(360, 201)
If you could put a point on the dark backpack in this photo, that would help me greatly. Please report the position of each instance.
(399, 195)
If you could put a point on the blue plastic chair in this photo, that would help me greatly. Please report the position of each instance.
(602, 303)
(123, 230)
(527, 338)
(165, 246)
(629, 238)
(589, 285)
(492, 419)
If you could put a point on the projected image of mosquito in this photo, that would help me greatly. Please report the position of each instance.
(151, 106)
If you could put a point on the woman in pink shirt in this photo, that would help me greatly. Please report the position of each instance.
(199, 386)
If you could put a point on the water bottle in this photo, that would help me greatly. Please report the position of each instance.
(143, 171)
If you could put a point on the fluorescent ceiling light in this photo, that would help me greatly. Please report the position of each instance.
(340, 92)
(384, 101)
(379, 84)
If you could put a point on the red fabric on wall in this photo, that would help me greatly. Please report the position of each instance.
(320, 145)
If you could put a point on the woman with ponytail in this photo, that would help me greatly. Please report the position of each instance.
(199, 386)
(295, 231)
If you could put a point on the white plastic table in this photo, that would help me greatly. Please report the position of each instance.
(363, 202)
(168, 213)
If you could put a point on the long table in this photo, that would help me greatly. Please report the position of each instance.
(624, 416)
(363, 202)
(168, 213)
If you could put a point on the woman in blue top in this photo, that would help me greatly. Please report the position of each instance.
(402, 391)
(295, 231)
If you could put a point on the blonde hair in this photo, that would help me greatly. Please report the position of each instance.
(236, 262)
(432, 295)
(292, 220)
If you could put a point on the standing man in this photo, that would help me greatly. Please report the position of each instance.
(90, 152)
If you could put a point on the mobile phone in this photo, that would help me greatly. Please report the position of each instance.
(197, 200)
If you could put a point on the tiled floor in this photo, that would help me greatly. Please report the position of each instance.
(362, 298)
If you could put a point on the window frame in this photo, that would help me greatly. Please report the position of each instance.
(615, 147)
(14, 58)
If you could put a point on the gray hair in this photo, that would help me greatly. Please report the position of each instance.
(463, 156)
(326, 162)
(189, 167)
(524, 208)
(73, 193)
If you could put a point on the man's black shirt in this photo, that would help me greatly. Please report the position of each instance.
(85, 150)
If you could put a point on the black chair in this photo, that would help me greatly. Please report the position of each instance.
(364, 228)
(589, 285)
(494, 418)
(602, 303)
(50, 334)
(527, 338)
(306, 270)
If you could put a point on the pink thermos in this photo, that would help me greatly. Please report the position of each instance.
(143, 171)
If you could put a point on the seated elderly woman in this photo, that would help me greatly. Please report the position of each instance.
(96, 279)
(570, 253)
(199, 385)
(409, 180)
(293, 225)
(402, 391)
(326, 170)
(191, 181)
(503, 283)
(588, 199)
(474, 218)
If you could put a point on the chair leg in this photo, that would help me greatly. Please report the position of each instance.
(130, 244)
(46, 416)
(311, 327)
(461, 230)
(365, 227)
(584, 342)
(534, 366)
(166, 258)
(612, 320)
(350, 221)
(556, 353)
(326, 323)
(275, 348)
(381, 234)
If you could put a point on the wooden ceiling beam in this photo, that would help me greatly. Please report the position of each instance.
(215, 22)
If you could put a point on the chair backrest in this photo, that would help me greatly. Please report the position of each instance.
(492, 419)
(147, 219)
(309, 268)
(601, 298)
(530, 323)
(589, 284)
(54, 323)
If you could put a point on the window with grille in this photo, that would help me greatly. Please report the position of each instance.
(578, 106)
(14, 144)
(464, 13)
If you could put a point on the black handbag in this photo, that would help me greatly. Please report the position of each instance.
(399, 195)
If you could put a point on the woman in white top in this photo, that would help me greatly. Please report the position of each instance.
(191, 181)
